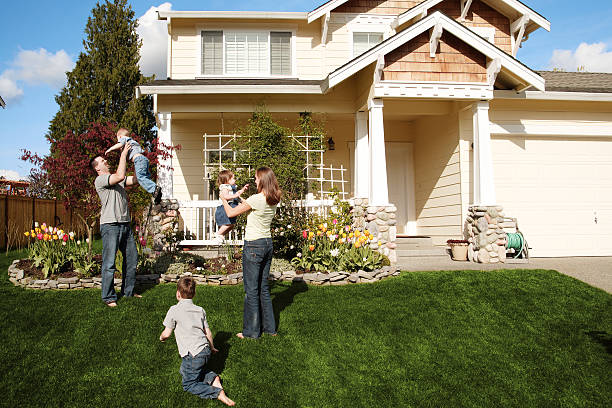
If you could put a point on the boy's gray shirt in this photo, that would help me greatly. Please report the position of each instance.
(188, 322)
(114, 200)
(136, 149)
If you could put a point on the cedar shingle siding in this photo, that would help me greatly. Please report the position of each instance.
(455, 61)
(377, 6)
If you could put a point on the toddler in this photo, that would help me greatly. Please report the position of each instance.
(141, 163)
(195, 343)
(228, 190)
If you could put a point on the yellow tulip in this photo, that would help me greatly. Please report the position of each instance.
(27, 233)
(366, 232)
(357, 244)
(319, 233)
(328, 233)
(343, 235)
(351, 235)
(357, 233)
(379, 243)
(310, 234)
(55, 237)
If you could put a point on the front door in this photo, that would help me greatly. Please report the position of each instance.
(400, 182)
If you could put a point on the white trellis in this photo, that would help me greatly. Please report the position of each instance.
(218, 150)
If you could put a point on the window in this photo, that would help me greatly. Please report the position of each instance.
(280, 53)
(212, 52)
(364, 41)
(250, 53)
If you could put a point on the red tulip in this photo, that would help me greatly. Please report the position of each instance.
(305, 234)
(65, 237)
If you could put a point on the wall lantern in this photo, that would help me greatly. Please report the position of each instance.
(331, 144)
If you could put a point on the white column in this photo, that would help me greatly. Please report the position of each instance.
(164, 168)
(379, 194)
(362, 156)
(484, 185)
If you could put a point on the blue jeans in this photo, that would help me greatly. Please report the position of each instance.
(118, 236)
(258, 313)
(197, 379)
(141, 168)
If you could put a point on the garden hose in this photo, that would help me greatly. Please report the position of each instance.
(515, 241)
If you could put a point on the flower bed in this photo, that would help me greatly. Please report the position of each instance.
(18, 277)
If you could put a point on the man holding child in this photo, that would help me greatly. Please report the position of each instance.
(115, 227)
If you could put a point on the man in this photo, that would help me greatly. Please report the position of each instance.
(115, 227)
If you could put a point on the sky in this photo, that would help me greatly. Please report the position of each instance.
(41, 40)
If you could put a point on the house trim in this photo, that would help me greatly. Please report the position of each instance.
(259, 15)
(445, 23)
(426, 89)
(554, 96)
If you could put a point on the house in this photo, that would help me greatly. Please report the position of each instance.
(427, 104)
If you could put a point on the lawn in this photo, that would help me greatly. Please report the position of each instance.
(431, 339)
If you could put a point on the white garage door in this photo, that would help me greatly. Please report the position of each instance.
(560, 189)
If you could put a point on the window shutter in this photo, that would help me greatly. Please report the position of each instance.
(280, 53)
(212, 52)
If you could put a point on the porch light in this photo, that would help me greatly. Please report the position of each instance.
(331, 144)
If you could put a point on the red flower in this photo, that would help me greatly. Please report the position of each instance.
(305, 234)
(65, 237)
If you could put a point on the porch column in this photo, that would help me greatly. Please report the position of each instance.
(164, 168)
(379, 194)
(484, 185)
(362, 156)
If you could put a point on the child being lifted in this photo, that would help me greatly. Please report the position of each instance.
(141, 163)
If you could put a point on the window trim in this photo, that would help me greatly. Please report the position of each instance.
(199, 74)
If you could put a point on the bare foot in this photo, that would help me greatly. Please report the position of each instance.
(224, 399)
(111, 304)
(217, 383)
(240, 335)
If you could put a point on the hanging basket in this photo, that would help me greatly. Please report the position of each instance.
(459, 249)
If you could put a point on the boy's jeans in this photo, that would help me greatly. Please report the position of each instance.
(197, 379)
(141, 168)
(118, 236)
(258, 312)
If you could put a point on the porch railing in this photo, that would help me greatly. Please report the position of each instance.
(199, 226)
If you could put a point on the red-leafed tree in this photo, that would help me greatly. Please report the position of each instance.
(72, 179)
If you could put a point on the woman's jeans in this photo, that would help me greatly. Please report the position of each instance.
(143, 175)
(258, 312)
(118, 236)
(197, 378)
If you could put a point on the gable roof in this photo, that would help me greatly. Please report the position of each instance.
(536, 20)
(508, 63)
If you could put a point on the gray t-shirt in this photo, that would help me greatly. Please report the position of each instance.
(136, 149)
(114, 200)
(188, 322)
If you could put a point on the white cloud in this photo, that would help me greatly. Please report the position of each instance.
(34, 67)
(154, 35)
(590, 57)
(10, 174)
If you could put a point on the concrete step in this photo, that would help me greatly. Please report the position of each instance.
(414, 241)
(431, 251)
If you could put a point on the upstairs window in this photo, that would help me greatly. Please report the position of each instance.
(246, 53)
(364, 41)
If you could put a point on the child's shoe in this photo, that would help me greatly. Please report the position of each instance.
(218, 240)
(157, 195)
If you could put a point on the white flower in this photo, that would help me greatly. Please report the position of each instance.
(291, 247)
(78, 242)
(334, 252)
(365, 259)
(299, 254)
(289, 226)
(332, 238)
(71, 234)
(36, 224)
(223, 266)
(198, 268)
(63, 242)
(87, 240)
(282, 233)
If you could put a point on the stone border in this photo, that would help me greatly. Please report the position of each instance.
(16, 276)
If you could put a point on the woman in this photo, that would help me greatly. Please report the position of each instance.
(257, 254)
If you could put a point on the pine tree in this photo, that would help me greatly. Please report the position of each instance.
(101, 87)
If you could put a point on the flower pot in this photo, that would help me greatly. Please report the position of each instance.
(459, 251)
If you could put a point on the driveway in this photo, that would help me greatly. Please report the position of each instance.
(596, 271)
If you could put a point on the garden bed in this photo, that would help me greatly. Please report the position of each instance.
(19, 278)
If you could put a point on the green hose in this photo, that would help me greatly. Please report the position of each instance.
(515, 241)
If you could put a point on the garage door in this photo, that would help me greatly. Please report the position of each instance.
(560, 190)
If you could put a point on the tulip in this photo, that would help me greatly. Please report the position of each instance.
(55, 237)
(311, 247)
(36, 224)
(310, 234)
(32, 233)
(304, 234)
(78, 242)
(39, 236)
(357, 244)
(27, 233)
(65, 238)
(335, 221)
(63, 242)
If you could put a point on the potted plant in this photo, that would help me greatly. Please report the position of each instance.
(459, 249)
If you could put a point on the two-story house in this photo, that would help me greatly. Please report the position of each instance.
(426, 104)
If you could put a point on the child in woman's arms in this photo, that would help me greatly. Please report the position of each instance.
(228, 190)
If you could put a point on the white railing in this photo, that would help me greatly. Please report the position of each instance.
(199, 226)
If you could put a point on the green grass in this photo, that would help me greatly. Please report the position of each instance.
(431, 339)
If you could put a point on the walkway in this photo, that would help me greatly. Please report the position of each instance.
(596, 271)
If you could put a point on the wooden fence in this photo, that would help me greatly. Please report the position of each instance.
(18, 214)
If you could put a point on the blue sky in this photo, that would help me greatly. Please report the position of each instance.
(41, 40)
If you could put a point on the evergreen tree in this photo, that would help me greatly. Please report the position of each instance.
(101, 87)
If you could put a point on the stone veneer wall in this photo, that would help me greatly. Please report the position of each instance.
(16, 276)
(381, 222)
(164, 224)
(485, 234)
